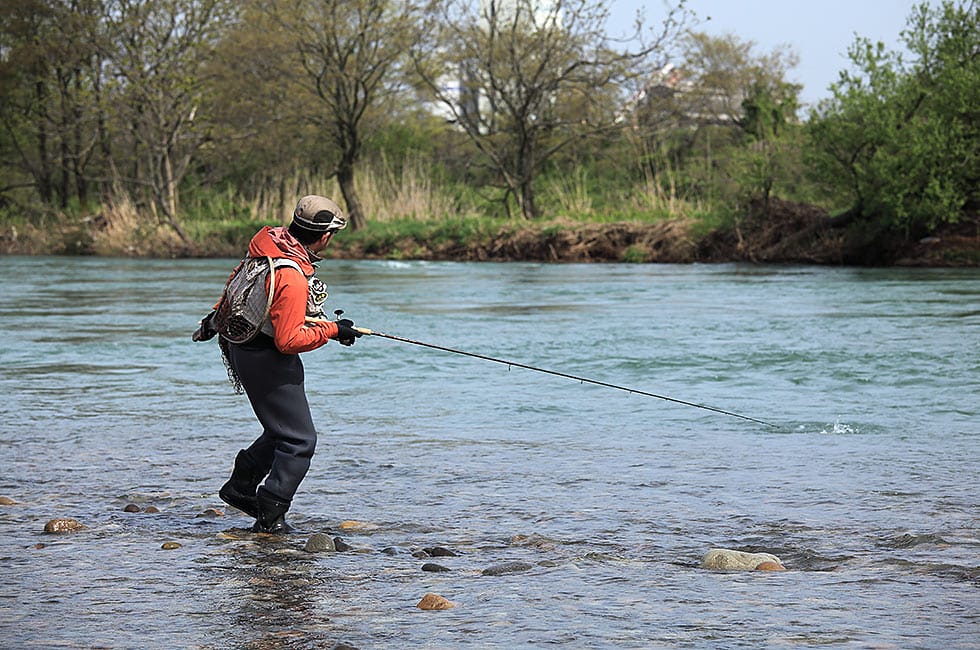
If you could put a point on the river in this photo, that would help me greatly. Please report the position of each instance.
(865, 485)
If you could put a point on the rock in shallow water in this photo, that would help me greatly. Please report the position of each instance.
(320, 542)
(439, 551)
(7, 501)
(770, 566)
(170, 546)
(435, 601)
(724, 559)
(434, 568)
(507, 567)
(63, 526)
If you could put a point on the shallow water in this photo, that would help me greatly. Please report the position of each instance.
(865, 486)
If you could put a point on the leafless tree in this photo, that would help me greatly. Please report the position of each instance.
(352, 54)
(524, 78)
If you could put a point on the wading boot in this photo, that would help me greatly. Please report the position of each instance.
(239, 491)
(271, 516)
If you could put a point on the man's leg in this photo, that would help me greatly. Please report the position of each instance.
(274, 383)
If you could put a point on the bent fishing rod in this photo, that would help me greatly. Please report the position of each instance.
(368, 332)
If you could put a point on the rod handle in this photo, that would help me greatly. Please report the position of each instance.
(362, 330)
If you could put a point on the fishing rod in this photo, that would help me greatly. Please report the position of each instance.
(367, 332)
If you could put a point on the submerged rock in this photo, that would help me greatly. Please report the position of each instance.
(131, 507)
(769, 565)
(230, 534)
(151, 510)
(439, 551)
(435, 601)
(507, 567)
(63, 526)
(724, 559)
(7, 501)
(320, 542)
(169, 546)
(434, 568)
(211, 513)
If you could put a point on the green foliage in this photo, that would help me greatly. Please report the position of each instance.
(902, 140)
(214, 126)
(635, 255)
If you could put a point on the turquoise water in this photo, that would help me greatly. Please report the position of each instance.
(865, 487)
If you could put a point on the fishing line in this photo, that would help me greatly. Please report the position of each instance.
(585, 380)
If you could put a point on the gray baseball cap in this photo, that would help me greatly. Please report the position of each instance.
(319, 214)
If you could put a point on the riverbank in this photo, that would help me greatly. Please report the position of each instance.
(784, 233)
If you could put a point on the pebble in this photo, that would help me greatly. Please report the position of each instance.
(507, 567)
(434, 568)
(320, 542)
(132, 507)
(725, 559)
(229, 535)
(169, 546)
(7, 501)
(434, 601)
(439, 551)
(63, 526)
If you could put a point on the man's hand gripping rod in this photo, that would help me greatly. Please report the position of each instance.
(367, 332)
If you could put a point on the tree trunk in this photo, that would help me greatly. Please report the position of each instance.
(345, 178)
(169, 199)
(43, 174)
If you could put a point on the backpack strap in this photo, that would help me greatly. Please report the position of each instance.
(272, 289)
(285, 261)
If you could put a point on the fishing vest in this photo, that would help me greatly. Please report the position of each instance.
(244, 308)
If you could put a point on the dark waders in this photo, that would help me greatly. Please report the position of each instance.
(274, 383)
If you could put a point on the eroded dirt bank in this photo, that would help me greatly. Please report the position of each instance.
(782, 233)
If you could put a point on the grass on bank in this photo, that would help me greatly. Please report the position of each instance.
(408, 216)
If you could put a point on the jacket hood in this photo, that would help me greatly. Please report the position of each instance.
(277, 242)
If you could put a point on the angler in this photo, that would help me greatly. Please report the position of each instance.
(263, 324)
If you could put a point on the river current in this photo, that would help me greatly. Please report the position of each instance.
(865, 485)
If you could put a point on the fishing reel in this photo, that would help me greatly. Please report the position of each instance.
(348, 333)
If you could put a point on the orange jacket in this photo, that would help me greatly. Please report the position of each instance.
(288, 310)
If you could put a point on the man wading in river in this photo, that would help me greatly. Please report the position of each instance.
(261, 336)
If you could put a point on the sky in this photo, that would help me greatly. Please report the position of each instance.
(819, 31)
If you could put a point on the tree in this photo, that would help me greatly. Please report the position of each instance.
(724, 103)
(525, 79)
(158, 51)
(900, 140)
(351, 55)
(50, 76)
